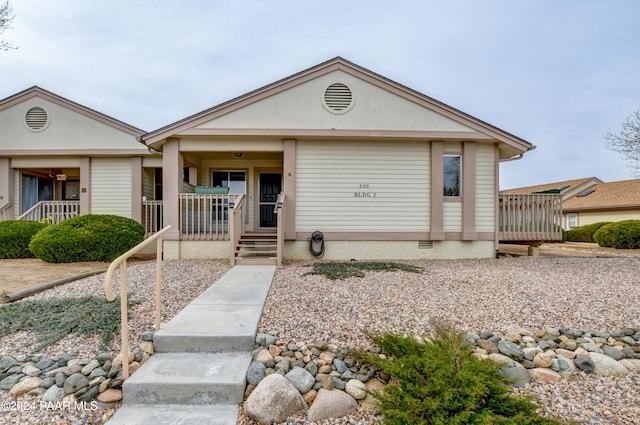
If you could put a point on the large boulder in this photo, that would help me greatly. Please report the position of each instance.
(274, 400)
(606, 366)
(331, 404)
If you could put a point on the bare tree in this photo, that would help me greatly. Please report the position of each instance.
(6, 17)
(627, 141)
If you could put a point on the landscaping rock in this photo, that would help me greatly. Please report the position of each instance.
(256, 372)
(606, 366)
(518, 376)
(274, 400)
(331, 404)
(54, 393)
(25, 386)
(544, 375)
(301, 379)
(356, 389)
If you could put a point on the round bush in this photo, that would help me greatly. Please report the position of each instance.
(15, 236)
(621, 234)
(87, 238)
(585, 233)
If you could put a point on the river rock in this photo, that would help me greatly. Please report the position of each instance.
(511, 350)
(542, 360)
(75, 382)
(274, 400)
(25, 386)
(632, 365)
(614, 353)
(544, 375)
(301, 379)
(256, 372)
(109, 396)
(54, 393)
(606, 366)
(518, 376)
(331, 404)
(356, 389)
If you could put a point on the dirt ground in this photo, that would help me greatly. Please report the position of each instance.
(19, 274)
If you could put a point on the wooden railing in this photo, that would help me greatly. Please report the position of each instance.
(152, 216)
(280, 226)
(236, 225)
(121, 262)
(4, 211)
(52, 212)
(204, 216)
(530, 217)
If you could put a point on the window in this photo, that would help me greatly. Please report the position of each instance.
(572, 221)
(236, 181)
(452, 175)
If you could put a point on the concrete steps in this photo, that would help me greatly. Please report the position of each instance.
(197, 375)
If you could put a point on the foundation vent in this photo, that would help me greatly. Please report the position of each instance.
(425, 244)
(338, 98)
(36, 119)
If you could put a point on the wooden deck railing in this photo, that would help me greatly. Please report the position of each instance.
(236, 226)
(52, 212)
(204, 216)
(152, 213)
(279, 210)
(530, 217)
(121, 262)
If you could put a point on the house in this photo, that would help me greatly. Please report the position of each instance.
(373, 169)
(590, 200)
(59, 159)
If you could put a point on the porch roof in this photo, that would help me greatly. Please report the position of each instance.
(510, 145)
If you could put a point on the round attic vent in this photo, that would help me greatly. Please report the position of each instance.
(36, 119)
(338, 98)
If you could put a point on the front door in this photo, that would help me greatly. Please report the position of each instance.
(270, 186)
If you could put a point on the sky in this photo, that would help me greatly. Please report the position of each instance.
(558, 73)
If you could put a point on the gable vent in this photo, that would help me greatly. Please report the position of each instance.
(36, 118)
(338, 98)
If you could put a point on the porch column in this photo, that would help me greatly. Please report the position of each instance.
(7, 186)
(289, 181)
(469, 232)
(171, 181)
(437, 189)
(136, 188)
(85, 185)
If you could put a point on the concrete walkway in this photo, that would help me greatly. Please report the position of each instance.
(197, 375)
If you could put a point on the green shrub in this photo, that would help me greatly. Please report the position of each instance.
(620, 234)
(87, 238)
(15, 236)
(441, 382)
(585, 233)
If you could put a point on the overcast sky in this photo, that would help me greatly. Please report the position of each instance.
(557, 73)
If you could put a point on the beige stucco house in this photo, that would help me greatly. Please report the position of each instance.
(382, 171)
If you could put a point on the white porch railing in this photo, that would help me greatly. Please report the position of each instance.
(4, 211)
(236, 226)
(152, 217)
(530, 217)
(205, 216)
(52, 212)
(121, 262)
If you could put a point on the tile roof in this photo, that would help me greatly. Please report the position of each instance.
(614, 195)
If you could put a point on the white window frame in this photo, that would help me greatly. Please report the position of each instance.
(572, 218)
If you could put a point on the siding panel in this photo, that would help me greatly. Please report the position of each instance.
(362, 186)
(485, 188)
(111, 186)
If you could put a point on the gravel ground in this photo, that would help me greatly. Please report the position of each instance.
(474, 295)
(182, 281)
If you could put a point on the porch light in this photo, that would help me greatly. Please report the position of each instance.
(238, 154)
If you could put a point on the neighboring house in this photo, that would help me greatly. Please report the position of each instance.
(384, 172)
(59, 159)
(590, 200)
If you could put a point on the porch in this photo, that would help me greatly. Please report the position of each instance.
(529, 218)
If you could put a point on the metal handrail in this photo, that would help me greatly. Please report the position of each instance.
(278, 209)
(121, 262)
